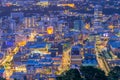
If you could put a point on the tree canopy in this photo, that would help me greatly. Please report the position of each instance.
(114, 74)
(92, 73)
(1, 78)
(72, 74)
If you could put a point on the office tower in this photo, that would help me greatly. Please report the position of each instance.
(29, 22)
(97, 17)
(13, 25)
(76, 56)
(41, 26)
(78, 24)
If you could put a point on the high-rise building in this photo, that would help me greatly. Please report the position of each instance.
(29, 22)
(78, 24)
(13, 25)
(76, 56)
(97, 17)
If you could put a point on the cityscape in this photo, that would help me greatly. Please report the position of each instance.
(59, 39)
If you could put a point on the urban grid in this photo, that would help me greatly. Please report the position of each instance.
(59, 39)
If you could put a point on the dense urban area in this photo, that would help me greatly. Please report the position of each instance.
(59, 39)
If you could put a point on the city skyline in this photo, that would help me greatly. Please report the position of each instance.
(59, 40)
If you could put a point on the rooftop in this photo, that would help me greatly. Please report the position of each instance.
(36, 45)
(115, 44)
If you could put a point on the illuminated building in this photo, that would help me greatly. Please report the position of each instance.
(111, 27)
(29, 22)
(53, 50)
(78, 24)
(57, 61)
(20, 39)
(89, 60)
(76, 57)
(113, 63)
(38, 47)
(87, 26)
(43, 3)
(97, 17)
(13, 25)
(89, 47)
(50, 30)
(69, 5)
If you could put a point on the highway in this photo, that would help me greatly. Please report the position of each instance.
(103, 64)
(65, 63)
(7, 62)
(101, 60)
(9, 57)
